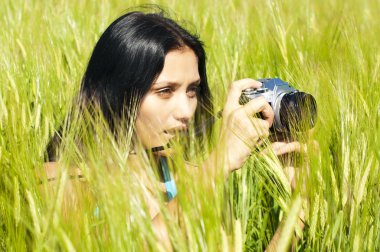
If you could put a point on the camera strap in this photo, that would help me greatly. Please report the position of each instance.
(171, 189)
(163, 166)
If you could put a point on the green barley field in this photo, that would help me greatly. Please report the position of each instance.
(330, 49)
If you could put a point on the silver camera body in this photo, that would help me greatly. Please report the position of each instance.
(290, 106)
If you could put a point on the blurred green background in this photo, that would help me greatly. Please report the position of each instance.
(327, 48)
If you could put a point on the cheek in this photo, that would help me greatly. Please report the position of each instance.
(152, 114)
(195, 105)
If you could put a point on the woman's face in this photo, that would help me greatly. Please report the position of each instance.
(170, 104)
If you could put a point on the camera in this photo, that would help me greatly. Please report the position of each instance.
(293, 110)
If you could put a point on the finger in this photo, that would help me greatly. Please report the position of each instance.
(263, 128)
(252, 131)
(290, 147)
(273, 147)
(277, 146)
(315, 146)
(291, 175)
(260, 105)
(260, 130)
(281, 137)
(252, 137)
(290, 172)
(237, 87)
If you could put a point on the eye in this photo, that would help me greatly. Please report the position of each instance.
(193, 91)
(165, 92)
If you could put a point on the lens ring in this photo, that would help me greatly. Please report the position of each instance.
(298, 111)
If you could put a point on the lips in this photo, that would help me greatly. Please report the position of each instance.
(176, 130)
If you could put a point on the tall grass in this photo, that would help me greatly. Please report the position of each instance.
(327, 48)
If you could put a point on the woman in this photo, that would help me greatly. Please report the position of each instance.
(148, 73)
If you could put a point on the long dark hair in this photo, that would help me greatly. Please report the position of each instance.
(126, 60)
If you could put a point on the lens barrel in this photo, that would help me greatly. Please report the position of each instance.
(298, 111)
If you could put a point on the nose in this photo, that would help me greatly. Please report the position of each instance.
(184, 109)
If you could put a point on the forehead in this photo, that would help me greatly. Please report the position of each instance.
(180, 65)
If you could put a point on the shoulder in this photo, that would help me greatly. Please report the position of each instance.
(50, 171)
(75, 189)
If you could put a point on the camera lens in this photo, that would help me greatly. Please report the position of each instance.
(298, 111)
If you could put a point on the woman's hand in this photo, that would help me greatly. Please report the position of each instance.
(297, 172)
(241, 130)
(287, 149)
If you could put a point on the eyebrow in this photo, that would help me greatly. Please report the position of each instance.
(197, 82)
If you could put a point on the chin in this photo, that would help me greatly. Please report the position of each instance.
(157, 142)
